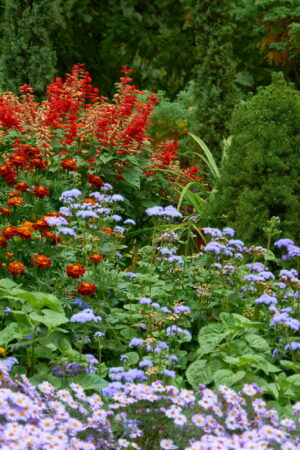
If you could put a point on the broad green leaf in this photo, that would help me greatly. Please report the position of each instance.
(89, 381)
(13, 331)
(202, 371)
(49, 318)
(32, 299)
(50, 300)
(6, 284)
(258, 344)
(228, 377)
(132, 176)
(211, 335)
(128, 333)
(272, 389)
(133, 358)
(294, 379)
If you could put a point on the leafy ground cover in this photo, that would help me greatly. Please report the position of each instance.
(114, 333)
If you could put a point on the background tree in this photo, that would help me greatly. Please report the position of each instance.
(27, 55)
(260, 177)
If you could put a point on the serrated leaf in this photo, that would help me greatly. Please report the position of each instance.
(202, 372)
(258, 344)
(294, 379)
(13, 331)
(89, 381)
(49, 318)
(227, 377)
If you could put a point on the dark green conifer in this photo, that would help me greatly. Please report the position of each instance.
(27, 55)
(260, 177)
(214, 89)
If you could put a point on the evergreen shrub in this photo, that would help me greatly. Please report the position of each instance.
(260, 177)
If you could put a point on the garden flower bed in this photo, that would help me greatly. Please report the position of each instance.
(113, 334)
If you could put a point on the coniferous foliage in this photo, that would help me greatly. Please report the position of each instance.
(214, 88)
(27, 53)
(260, 177)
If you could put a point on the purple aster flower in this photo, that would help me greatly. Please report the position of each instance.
(118, 229)
(155, 211)
(65, 211)
(107, 187)
(99, 334)
(293, 250)
(145, 301)
(130, 274)
(116, 217)
(136, 342)
(292, 346)
(161, 346)
(87, 315)
(77, 301)
(175, 258)
(166, 251)
(170, 211)
(167, 444)
(9, 362)
(283, 243)
(117, 198)
(69, 196)
(214, 247)
(129, 222)
(66, 230)
(169, 373)
(85, 214)
(165, 310)
(146, 363)
(56, 221)
(155, 305)
(266, 299)
(228, 231)
(214, 232)
(181, 309)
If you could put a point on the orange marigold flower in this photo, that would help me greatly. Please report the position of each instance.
(91, 201)
(69, 164)
(38, 163)
(52, 237)
(2, 351)
(5, 170)
(16, 268)
(52, 214)
(24, 233)
(95, 181)
(40, 224)
(21, 186)
(3, 242)
(14, 193)
(107, 230)
(27, 224)
(17, 161)
(96, 258)
(9, 232)
(40, 191)
(86, 288)
(15, 201)
(75, 270)
(10, 255)
(5, 211)
(40, 260)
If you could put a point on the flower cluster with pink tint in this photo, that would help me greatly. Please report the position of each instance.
(126, 415)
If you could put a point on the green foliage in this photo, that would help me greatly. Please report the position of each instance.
(27, 54)
(260, 175)
(214, 88)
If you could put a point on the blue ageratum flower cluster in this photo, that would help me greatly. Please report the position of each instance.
(103, 210)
